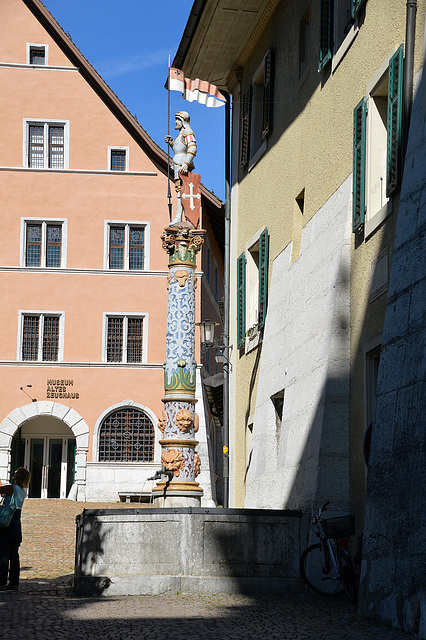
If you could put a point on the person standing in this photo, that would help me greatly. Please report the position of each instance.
(11, 536)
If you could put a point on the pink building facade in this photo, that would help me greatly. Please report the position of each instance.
(83, 274)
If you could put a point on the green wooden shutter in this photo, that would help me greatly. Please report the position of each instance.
(360, 113)
(326, 32)
(263, 276)
(268, 94)
(241, 301)
(394, 125)
(245, 128)
(356, 6)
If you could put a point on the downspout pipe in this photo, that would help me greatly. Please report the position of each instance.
(410, 29)
(226, 277)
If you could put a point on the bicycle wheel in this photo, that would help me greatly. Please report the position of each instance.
(319, 574)
(348, 576)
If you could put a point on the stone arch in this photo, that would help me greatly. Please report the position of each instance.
(120, 405)
(70, 417)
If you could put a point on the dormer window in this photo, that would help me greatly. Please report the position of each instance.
(37, 54)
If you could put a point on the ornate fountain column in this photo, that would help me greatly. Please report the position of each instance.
(178, 423)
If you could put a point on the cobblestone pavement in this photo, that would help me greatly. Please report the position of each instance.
(45, 606)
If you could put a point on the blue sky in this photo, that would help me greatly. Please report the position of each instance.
(128, 43)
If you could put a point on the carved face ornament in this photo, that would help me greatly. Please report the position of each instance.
(181, 277)
(173, 459)
(184, 420)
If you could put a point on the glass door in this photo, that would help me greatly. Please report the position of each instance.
(51, 462)
(36, 467)
(54, 468)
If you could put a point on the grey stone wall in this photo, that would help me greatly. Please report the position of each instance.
(393, 583)
(301, 459)
(153, 551)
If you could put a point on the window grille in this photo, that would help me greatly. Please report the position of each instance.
(124, 339)
(127, 435)
(33, 249)
(134, 339)
(37, 56)
(50, 338)
(43, 244)
(56, 147)
(36, 147)
(118, 160)
(115, 340)
(53, 248)
(30, 338)
(136, 248)
(126, 247)
(116, 251)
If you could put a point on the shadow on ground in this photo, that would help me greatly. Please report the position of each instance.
(49, 609)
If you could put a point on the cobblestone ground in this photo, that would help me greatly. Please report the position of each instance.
(45, 606)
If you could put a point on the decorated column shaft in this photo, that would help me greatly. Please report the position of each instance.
(179, 423)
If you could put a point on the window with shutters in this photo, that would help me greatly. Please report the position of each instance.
(377, 145)
(43, 243)
(125, 338)
(252, 290)
(338, 28)
(40, 336)
(126, 246)
(257, 113)
(46, 144)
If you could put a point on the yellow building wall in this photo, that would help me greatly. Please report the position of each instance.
(310, 148)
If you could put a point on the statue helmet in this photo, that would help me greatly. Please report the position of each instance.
(183, 115)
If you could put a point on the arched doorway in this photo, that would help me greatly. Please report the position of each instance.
(47, 447)
(51, 440)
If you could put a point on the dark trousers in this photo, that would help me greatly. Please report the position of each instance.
(9, 562)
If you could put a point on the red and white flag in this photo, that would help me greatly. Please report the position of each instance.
(198, 90)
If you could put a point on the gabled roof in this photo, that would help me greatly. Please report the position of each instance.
(98, 84)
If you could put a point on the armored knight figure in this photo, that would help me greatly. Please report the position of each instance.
(184, 151)
(184, 147)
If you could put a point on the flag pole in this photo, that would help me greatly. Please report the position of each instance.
(169, 193)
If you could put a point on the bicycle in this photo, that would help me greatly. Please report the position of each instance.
(327, 567)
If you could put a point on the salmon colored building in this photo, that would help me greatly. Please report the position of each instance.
(83, 273)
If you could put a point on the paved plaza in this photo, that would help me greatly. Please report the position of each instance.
(45, 606)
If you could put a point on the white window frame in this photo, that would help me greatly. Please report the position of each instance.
(44, 222)
(45, 122)
(41, 314)
(127, 224)
(36, 45)
(116, 148)
(376, 145)
(125, 316)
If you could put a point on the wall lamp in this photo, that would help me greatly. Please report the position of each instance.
(208, 341)
(26, 393)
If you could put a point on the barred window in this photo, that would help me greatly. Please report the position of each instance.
(46, 145)
(37, 55)
(40, 337)
(43, 244)
(127, 435)
(126, 247)
(56, 147)
(118, 160)
(124, 339)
